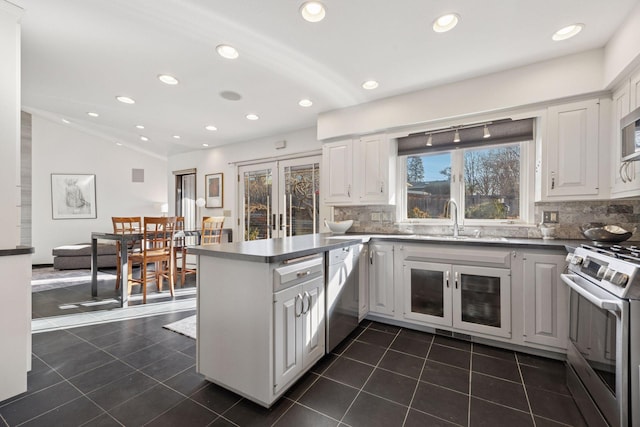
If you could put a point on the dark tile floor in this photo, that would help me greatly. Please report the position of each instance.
(76, 298)
(134, 373)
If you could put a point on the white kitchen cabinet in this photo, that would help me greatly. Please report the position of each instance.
(260, 326)
(359, 171)
(381, 284)
(546, 300)
(363, 285)
(570, 163)
(337, 173)
(625, 176)
(467, 298)
(298, 319)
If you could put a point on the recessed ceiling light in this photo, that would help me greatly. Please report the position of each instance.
(176, 136)
(65, 121)
(567, 32)
(140, 126)
(93, 114)
(445, 23)
(313, 11)
(205, 145)
(125, 100)
(370, 84)
(227, 51)
(166, 78)
(144, 138)
(305, 103)
(211, 127)
(252, 117)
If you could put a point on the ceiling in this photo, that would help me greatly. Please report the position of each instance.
(78, 55)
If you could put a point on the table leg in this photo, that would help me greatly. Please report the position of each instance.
(94, 267)
(124, 275)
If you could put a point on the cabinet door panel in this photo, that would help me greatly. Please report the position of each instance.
(572, 150)
(337, 158)
(482, 300)
(313, 341)
(287, 335)
(427, 292)
(545, 301)
(381, 279)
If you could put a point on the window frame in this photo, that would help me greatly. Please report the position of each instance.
(527, 175)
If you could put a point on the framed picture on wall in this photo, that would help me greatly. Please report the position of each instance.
(73, 196)
(213, 190)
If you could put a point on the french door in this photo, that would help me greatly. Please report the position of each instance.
(280, 198)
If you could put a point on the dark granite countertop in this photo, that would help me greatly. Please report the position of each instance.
(277, 250)
(274, 250)
(18, 250)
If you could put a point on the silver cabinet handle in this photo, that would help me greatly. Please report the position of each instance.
(299, 297)
(371, 257)
(446, 277)
(621, 171)
(306, 298)
(626, 171)
(456, 279)
(303, 273)
(349, 190)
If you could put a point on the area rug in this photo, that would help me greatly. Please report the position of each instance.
(46, 278)
(186, 326)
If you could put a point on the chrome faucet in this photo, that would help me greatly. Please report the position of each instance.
(454, 216)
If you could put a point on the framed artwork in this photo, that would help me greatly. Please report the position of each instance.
(73, 196)
(213, 190)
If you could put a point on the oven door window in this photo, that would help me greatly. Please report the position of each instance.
(593, 332)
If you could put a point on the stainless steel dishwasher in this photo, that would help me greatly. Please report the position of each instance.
(341, 294)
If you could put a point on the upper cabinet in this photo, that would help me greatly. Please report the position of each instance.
(570, 167)
(359, 171)
(625, 176)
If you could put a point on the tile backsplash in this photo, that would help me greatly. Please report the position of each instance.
(570, 216)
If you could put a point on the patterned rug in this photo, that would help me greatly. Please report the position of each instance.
(46, 278)
(186, 326)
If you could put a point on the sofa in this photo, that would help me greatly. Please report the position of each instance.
(71, 257)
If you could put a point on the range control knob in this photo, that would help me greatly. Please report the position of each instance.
(608, 274)
(619, 279)
(601, 271)
(576, 260)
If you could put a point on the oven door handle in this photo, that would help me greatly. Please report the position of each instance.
(604, 304)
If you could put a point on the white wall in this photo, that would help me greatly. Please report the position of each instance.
(218, 159)
(558, 78)
(622, 52)
(60, 148)
(10, 124)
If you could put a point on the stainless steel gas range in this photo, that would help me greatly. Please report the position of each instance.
(604, 346)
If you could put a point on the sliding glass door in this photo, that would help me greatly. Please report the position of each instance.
(280, 198)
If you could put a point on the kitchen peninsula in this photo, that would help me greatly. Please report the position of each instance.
(261, 312)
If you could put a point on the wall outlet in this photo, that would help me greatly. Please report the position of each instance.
(550, 217)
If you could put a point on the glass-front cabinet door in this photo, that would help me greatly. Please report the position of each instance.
(482, 299)
(465, 297)
(299, 205)
(428, 295)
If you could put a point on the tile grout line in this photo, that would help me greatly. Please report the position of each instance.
(372, 371)
(470, 383)
(526, 393)
(415, 390)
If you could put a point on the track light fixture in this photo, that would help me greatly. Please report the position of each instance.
(486, 133)
(429, 141)
(456, 136)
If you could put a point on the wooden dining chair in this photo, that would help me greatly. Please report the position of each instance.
(126, 225)
(211, 232)
(180, 253)
(157, 249)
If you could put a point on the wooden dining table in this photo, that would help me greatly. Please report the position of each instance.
(124, 239)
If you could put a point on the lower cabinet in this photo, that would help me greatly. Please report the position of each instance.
(381, 287)
(299, 338)
(363, 285)
(470, 298)
(546, 300)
